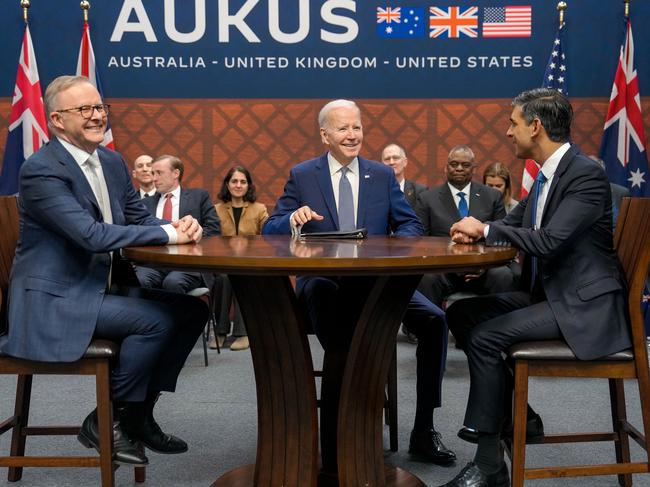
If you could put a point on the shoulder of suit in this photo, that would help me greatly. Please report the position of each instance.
(483, 188)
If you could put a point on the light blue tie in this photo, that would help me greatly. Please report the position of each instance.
(346, 204)
(540, 180)
(462, 205)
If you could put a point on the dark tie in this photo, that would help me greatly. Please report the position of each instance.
(167, 208)
(462, 205)
(540, 180)
(346, 204)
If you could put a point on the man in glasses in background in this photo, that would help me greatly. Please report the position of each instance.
(78, 208)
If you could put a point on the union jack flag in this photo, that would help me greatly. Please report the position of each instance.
(27, 125)
(389, 15)
(453, 22)
(86, 67)
(623, 144)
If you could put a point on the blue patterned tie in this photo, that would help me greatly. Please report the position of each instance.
(346, 204)
(540, 180)
(462, 205)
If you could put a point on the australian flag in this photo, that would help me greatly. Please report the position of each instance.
(401, 22)
(86, 67)
(27, 126)
(623, 144)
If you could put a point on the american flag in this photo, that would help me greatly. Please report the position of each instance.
(86, 67)
(555, 77)
(510, 21)
(453, 22)
(401, 22)
(623, 144)
(27, 122)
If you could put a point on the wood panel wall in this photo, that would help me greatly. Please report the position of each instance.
(270, 136)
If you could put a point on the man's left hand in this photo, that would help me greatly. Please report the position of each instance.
(190, 226)
(467, 230)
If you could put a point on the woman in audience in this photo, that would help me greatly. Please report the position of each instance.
(240, 214)
(497, 176)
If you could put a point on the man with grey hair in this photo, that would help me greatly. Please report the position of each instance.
(78, 208)
(394, 156)
(341, 190)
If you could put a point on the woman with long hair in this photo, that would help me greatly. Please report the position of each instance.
(497, 176)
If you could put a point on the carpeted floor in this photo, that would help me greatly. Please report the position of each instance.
(214, 410)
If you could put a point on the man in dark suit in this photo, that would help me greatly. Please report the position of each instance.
(171, 202)
(340, 191)
(571, 285)
(143, 175)
(78, 207)
(618, 192)
(439, 208)
(394, 156)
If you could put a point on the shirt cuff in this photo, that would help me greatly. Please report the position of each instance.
(171, 233)
(486, 230)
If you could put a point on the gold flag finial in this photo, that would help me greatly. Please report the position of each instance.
(627, 8)
(25, 4)
(561, 7)
(85, 6)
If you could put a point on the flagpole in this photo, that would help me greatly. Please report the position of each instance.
(627, 8)
(25, 4)
(561, 7)
(85, 6)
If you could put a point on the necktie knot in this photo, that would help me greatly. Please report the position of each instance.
(541, 178)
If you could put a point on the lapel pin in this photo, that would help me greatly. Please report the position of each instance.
(366, 176)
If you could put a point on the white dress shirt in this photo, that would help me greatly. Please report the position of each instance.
(144, 193)
(548, 168)
(176, 198)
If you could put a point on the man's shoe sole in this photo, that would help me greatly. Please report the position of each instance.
(88, 443)
(419, 457)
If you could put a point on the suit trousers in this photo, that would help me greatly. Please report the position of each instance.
(485, 327)
(156, 331)
(173, 281)
(334, 306)
(227, 298)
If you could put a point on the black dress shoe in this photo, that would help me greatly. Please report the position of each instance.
(472, 476)
(534, 430)
(125, 450)
(410, 337)
(427, 446)
(143, 427)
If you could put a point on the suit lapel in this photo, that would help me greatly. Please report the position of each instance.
(112, 183)
(365, 184)
(183, 203)
(447, 201)
(475, 200)
(324, 181)
(550, 204)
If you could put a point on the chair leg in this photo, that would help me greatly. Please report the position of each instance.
(392, 402)
(204, 338)
(140, 474)
(619, 418)
(519, 422)
(643, 381)
(105, 423)
(21, 412)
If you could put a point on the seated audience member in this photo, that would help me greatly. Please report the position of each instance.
(394, 156)
(239, 214)
(571, 288)
(497, 176)
(78, 207)
(143, 175)
(171, 202)
(323, 194)
(442, 206)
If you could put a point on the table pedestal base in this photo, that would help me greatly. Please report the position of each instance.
(244, 477)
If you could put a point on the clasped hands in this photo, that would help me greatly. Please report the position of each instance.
(188, 230)
(466, 231)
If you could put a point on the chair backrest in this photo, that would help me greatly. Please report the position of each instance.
(8, 239)
(632, 243)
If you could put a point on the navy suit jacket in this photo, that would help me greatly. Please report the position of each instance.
(381, 209)
(412, 191)
(577, 264)
(438, 211)
(62, 262)
(194, 202)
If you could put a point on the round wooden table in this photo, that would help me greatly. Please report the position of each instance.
(259, 268)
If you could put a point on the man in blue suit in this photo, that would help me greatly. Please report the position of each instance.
(78, 208)
(342, 191)
(179, 201)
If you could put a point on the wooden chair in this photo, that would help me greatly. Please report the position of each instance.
(555, 359)
(94, 362)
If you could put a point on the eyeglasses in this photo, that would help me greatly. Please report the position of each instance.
(86, 111)
(464, 165)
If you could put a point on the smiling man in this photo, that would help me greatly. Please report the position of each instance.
(78, 207)
(340, 190)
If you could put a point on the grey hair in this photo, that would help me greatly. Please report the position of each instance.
(462, 148)
(393, 144)
(52, 91)
(323, 115)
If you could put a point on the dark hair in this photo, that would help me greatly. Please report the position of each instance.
(499, 170)
(224, 193)
(174, 163)
(551, 107)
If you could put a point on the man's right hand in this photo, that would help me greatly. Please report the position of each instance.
(303, 215)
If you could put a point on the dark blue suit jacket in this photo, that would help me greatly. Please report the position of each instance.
(577, 264)
(62, 262)
(194, 202)
(382, 207)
